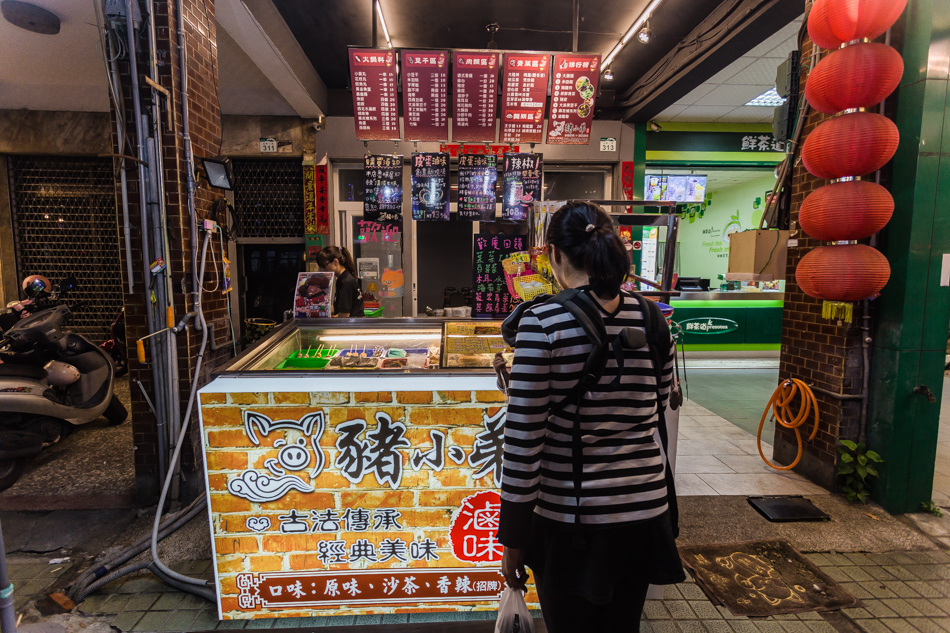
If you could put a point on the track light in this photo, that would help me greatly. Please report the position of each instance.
(633, 30)
(645, 33)
(608, 75)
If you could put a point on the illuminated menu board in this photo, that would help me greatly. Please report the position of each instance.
(524, 97)
(478, 174)
(425, 76)
(382, 201)
(572, 99)
(375, 106)
(475, 82)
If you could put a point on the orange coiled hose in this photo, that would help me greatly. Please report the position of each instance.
(781, 403)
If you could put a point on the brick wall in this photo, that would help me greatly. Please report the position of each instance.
(254, 537)
(820, 352)
(205, 134)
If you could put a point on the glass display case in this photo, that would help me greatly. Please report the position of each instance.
(333, 345)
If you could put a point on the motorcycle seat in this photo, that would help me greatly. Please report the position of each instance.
(23, 371)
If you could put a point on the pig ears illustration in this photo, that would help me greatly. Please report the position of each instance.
(311, 424)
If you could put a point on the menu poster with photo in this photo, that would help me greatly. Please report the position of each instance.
(425, 101)
(430, 186)
(572, 99)
(313, 297)
(521, 185)
(490, 290)
(478, 174)
(475, 82)
(375, 104)
(524, 97)
(382, 201)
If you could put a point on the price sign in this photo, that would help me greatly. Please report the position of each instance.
(491, 296)
(522, 185)
(425, 95)
(478, 174)
(430, 186)
(572, 99)
(475, 84)
(375, 107)
(383, 180)
(524, 98)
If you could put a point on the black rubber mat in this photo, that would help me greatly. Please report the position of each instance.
(787, 508)
(761, 578)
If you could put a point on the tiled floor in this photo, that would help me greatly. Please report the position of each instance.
(715, 457)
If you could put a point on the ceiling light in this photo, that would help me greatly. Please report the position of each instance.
(382, 21)
(608, 75)
(645, 34)
(655, 126)
(30, 17)
(768, 98)
(634, 29)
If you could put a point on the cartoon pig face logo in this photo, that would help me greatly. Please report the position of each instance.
(292, 455)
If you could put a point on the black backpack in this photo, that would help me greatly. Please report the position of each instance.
(585, 310)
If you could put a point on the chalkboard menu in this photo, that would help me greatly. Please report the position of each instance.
(477, 176)
(425, 77)
(475, 83)
(521, 185)
(572, 99)
(375, 106)
(430, 186)
(383, 197)
(524, 98)
(491, 297)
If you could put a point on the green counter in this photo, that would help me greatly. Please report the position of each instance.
(729, 324)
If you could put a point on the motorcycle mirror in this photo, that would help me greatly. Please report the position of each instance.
(68, 284)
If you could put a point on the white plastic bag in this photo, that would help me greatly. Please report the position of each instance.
(513, 615)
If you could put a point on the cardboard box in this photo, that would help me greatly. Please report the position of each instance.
(758, 255)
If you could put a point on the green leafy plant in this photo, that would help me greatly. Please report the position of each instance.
(856, 466)
(932, 508)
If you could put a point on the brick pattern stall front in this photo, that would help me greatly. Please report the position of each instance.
(339, 503)
(825, 354)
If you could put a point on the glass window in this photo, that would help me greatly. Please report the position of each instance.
(352, 184)
(574, 185)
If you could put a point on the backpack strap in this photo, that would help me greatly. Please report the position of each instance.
(658, 333)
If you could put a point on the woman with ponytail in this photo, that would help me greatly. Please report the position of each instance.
(347, 293)
(584, 492)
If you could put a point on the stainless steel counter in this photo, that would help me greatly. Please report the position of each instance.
(730, 296)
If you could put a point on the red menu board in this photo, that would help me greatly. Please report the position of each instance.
(425, 77)
(475, 83)
(375, 107)
(572, 99)
(525, 94)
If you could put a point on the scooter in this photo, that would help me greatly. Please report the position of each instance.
(115, 346)
(51, 381)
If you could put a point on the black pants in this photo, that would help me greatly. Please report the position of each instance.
(566, 612)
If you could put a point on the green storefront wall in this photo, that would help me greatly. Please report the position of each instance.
(729, 325)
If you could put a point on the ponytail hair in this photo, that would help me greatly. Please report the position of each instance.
(586, 236)
(328, 253)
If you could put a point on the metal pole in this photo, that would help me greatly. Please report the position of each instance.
(7, 612)
(577, 23)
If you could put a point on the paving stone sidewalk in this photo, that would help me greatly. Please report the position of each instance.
(903, 592)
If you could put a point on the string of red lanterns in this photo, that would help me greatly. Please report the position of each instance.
(858, 74)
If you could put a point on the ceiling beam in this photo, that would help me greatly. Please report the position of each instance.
(261, 32)
(733, 29)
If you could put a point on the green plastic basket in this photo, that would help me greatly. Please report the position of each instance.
(375, 312)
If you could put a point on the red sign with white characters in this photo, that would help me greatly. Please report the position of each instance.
(375, 106)
(475, 84)
(524, 98)
(425, 77)
(572, 99)
(475, 527)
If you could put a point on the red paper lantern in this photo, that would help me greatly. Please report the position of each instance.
(819, 28)
(850, 145)
(849, 272)
(851, 210)
(856, 76)
(857, 19)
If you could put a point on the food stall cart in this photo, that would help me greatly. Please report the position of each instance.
(353, 468)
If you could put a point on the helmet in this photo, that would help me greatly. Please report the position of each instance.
(34, 285)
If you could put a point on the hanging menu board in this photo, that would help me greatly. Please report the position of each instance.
(375, 107)
(491, 296)
(572, 99)
(430, 186)
(425, 76)
(382, 201)
(525, 95)
(521, 185)
(475, 81)
(477, 176)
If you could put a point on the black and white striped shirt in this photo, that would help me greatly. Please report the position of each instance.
(623, 469)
